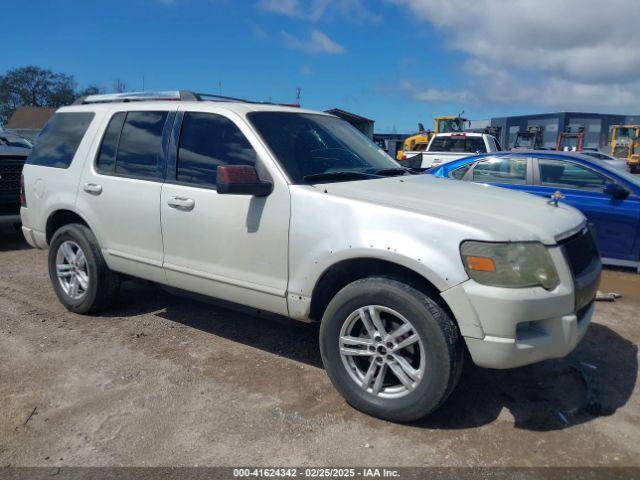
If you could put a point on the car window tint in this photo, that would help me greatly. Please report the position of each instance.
(107, 156)
(460, 144)
(420, 147)
(556, 173)
(310, 144)
(458, 173)
(140, 142)
(59, 139)
(447, 144)
(501, 170)
(474, 145)
(207, 141)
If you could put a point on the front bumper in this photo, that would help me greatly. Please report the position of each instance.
(511, 327)
(543, 339)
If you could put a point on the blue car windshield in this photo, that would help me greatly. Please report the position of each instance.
(632, 179)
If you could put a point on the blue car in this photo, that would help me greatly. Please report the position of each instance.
(608, 197)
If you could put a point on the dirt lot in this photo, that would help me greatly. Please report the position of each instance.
(162, 380)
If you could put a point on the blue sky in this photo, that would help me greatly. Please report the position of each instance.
(396, 61)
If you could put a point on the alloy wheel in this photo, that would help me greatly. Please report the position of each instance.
(72, 269)
(382, 351)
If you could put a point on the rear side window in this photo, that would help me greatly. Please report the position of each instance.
(207, 141)
(458, 173)
(140, 143)
(132, 144)
(501, 170)
(107, 157)
(57, 143)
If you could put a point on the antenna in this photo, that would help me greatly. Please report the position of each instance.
(298, 92)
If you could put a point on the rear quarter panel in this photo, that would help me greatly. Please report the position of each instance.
(48, 189)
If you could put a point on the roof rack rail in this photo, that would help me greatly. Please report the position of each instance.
(175, 95)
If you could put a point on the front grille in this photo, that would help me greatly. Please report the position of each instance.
(581, 252)
(10, 171)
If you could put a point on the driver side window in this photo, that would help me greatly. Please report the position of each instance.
(556, 173)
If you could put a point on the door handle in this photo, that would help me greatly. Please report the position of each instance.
(93, 188)
(181, 203)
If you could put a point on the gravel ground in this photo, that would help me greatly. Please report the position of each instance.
(162, 380)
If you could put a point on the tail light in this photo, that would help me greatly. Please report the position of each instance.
(404, 156)
(23, 198)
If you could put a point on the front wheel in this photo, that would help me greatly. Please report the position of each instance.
(389, 349)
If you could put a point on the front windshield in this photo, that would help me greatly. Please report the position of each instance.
(629, 177)
(312, 144)
(524, 141)
(452, 125)
(625, 133)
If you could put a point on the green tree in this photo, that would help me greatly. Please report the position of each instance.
(35, 87)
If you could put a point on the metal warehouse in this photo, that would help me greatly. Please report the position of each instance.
(597, 126)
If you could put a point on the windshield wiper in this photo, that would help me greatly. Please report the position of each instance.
(340, 175)
(390, 172)
(399, 171)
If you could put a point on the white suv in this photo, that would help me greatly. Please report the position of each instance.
(295, 212)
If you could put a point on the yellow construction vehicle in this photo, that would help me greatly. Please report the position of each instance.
(625, 144)
(444, 124)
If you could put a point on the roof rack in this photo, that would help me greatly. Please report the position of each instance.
(174, 95)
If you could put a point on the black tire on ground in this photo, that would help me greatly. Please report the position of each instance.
(103, 283)
(441, 338)
(18, 228)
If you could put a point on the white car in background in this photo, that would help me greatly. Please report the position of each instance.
(447, 147)
(613, 162)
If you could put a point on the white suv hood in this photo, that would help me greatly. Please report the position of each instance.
(505, 215)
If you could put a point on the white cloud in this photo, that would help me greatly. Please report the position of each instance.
(558, 54)
(318, 42)
(314, 10)
(311, 10)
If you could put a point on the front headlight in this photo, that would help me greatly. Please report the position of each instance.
(511, 265)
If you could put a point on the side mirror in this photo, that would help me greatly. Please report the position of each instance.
(241, 180)
(614, 190)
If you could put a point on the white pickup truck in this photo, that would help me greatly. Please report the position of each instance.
(447, 147)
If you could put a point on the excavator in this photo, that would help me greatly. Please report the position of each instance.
(444, 124)
(571, 140)
(530, 139)
(625, 144)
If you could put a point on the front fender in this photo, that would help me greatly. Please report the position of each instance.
(348, 229)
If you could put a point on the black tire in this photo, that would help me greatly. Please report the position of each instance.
(18, 229)
(441, 338)
(103, 283)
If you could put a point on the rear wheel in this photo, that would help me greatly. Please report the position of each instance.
(389, 349)
(79, 274)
